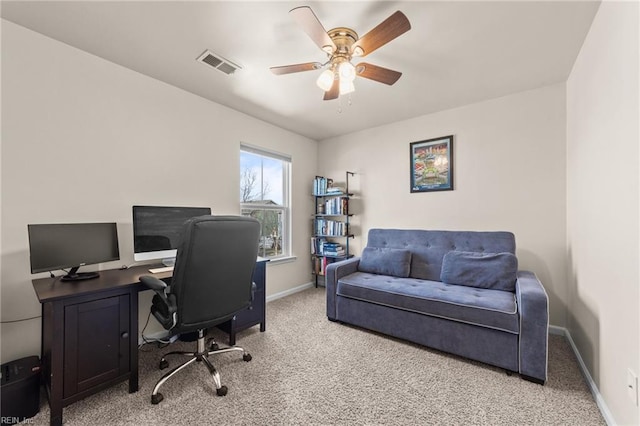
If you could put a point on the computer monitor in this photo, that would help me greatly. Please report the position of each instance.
(156, 231)
(72, 245)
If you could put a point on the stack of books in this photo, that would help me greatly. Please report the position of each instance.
(321, 247)
(332, 249)
(335, 190)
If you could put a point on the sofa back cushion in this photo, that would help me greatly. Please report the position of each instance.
(385, 261)
(496, 271)
(429, 247)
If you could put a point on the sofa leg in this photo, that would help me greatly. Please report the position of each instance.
(509, 372)
(532, 379)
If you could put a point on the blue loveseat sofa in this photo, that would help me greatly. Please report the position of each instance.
(456, 291)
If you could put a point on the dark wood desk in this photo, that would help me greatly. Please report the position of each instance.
(90, 331)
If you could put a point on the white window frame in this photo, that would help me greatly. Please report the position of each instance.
(285, 209)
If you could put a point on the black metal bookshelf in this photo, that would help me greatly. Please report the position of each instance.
(331, 228)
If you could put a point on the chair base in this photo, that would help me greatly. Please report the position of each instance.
(201, 355)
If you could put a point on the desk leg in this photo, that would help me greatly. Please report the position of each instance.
(133, 348)
(56, 369)
(56, 414)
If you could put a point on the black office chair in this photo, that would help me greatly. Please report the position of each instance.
(212, 281)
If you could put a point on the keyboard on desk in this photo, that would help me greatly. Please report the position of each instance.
(161, 269)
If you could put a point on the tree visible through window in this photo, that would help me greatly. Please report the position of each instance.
(264, 195)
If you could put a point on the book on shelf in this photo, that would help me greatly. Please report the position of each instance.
(336, 206)
(330, 227)
(317, 245)
(335, 190)
(321, 185)
(324, 186)
(321, 247)
(320, 265)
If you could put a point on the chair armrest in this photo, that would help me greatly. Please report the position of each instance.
(163, 304)
(533, 307)
(154, 283)
(333, 273)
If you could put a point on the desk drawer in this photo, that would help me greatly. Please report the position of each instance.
(252, 315)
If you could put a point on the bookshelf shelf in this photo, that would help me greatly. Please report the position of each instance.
(330, 225)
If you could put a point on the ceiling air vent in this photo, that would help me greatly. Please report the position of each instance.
(218, 62)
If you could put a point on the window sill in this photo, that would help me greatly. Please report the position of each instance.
(279, 260)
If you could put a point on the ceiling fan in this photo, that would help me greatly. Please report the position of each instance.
(341, 45)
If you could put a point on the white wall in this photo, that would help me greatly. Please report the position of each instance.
(509, 174)
(603, 204)
(84, 139)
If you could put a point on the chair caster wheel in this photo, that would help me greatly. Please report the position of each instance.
(155, 399)
(163, 364)
(222, 391)
(246, 357)
(214, 347)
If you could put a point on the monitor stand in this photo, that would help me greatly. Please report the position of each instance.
(74, 275)
(169, 261)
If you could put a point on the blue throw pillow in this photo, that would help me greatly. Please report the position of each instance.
(385, 261)
(495, 271)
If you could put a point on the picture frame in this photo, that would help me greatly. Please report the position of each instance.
(431, 163)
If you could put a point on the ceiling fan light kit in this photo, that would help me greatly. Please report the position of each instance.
(341, 45)
(347, 71)
(325, 80)
(347, 87)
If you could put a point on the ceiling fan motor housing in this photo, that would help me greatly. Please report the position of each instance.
(343, 38)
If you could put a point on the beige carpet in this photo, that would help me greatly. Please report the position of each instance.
(308, 370)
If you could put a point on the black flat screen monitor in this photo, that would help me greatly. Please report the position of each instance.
(157, 230)
(72, 245)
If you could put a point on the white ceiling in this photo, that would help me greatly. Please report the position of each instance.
(456, 53)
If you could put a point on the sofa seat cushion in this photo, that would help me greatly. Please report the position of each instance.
(483, 307)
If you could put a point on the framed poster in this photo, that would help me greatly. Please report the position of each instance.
(432, 164)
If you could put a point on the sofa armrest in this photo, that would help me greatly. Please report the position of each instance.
(533, 307)
(333, 273)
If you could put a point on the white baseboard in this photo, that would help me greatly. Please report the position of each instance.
(602, 405)
(289, 292)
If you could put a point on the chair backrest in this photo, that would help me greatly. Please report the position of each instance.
(212, 276)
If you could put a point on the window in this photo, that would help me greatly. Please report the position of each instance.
(264, 195)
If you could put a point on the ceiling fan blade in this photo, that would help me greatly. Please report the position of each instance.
(312, 26)
(376, 73)
(334, 92)
(288, 69)
(392, 27)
